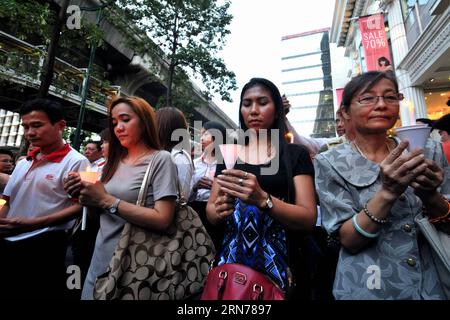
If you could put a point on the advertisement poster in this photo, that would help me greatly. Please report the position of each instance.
(339, 92)
(376, 47)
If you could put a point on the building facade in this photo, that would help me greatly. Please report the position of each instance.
(418, 33)
(124, 71)
(307, 82)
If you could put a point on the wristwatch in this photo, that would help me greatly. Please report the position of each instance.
(114, 206)
(269, 203)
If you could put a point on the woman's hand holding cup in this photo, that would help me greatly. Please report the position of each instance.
(399, 170)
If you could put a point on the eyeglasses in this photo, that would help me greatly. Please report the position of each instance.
(392, 98)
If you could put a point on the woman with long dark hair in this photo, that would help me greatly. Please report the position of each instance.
(175, 138)
(269, 194)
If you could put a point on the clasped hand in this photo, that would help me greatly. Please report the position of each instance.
(89, 194)
(398, 171)
(204, 183)
(243, 185)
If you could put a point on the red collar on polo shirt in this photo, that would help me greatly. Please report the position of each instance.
(101, 164)
(55, 156)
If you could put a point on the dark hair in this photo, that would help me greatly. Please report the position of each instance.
(363, 83)
(147, 118)
(278, 123)
(214, 125)
(427, 121)
(169, 119)
(443, 123)
(7, 152)
(383, 59)
(105, 135)
(277, 100)
(97, 143)
(51, 108)
(217, 126)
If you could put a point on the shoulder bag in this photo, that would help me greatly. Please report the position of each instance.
(240, 279)
(440, 244)
(151, 265)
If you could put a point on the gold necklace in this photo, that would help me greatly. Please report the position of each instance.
(362, 153)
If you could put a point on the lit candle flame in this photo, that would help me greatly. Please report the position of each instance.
(412, 115)
(289, 137)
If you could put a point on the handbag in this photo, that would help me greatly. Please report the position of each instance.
(233, 281)
(240, 276)
(150, 265)
(440, 244)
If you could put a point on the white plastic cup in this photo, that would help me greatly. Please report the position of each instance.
(417, 135)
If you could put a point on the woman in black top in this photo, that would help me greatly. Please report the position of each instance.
(269, 192)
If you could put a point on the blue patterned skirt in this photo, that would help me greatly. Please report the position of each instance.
(253, 238)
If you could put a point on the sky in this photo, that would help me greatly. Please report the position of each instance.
(253, 47)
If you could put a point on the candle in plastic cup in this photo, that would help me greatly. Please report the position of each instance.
(417, 135)
(230, 153)
(92, 177)
(2, 203)
(89, 176)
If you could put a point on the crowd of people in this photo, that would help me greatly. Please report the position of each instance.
(316, 225)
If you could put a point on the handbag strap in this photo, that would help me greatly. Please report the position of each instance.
(182, 201)
(144, 186)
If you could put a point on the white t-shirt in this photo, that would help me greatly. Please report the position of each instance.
(35, 188)
(202, 169)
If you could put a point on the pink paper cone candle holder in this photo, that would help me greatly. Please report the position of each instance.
(230, 153)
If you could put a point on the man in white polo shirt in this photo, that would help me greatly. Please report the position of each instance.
(34, 220)
(93, 152)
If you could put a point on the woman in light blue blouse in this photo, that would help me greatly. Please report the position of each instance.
(371, 191)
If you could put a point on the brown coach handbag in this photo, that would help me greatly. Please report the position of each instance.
(150, 265)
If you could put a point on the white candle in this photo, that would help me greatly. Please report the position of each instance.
(85, 209)
(412, 114)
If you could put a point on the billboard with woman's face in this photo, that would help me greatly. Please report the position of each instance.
(374, 40)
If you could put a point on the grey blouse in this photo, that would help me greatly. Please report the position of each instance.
(125, 184)
(398, 263)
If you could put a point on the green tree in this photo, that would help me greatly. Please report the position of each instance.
(47, 70)
(41, 24)
(191, 33)
(26, 19)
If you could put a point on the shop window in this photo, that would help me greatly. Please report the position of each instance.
(416, 16)
(436, 101)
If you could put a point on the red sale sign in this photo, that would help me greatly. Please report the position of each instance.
(339, 92)
(376, 48)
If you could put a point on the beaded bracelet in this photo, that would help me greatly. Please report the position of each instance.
(362, 231)
(372, 217)
(442, 219)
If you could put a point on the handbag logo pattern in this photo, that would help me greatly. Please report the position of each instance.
(159, 266)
